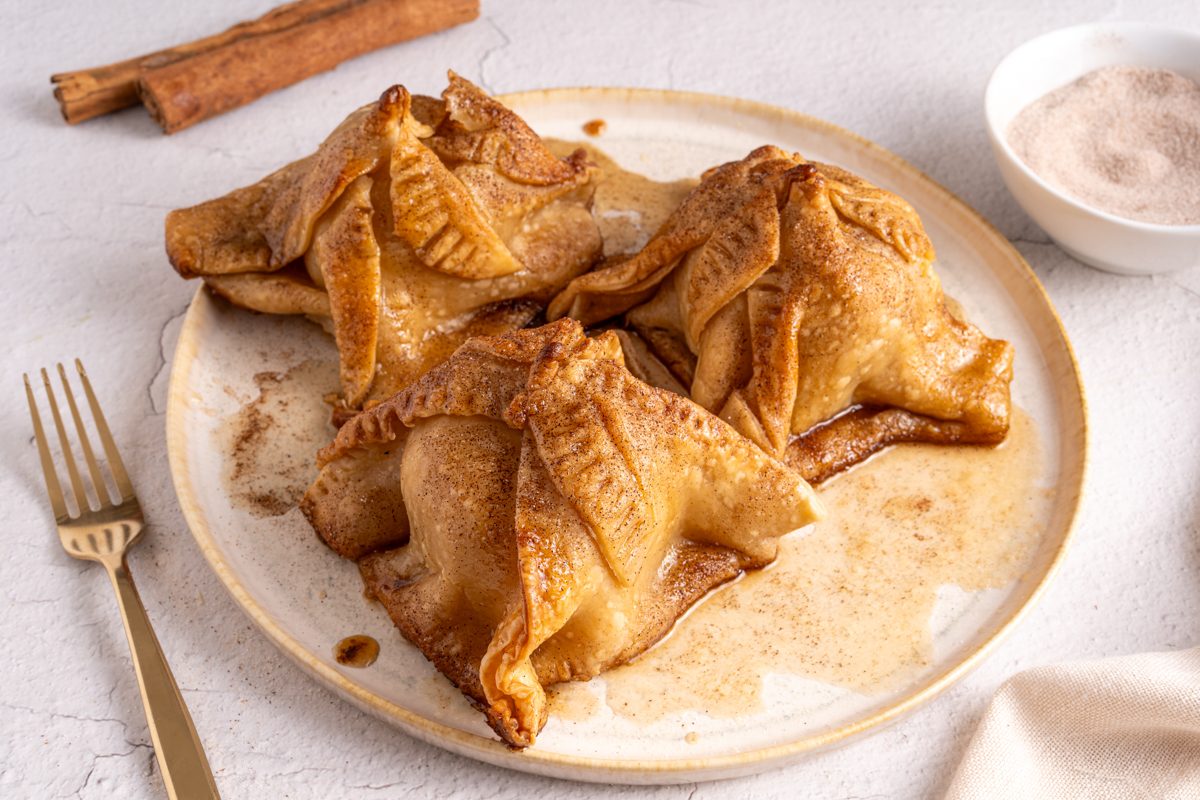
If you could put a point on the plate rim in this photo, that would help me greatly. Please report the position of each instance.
(579, 767)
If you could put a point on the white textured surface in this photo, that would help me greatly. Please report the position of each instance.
(80, 221)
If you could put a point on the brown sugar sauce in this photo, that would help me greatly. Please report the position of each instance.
(359, 651)
(627, 207)
(849, 602)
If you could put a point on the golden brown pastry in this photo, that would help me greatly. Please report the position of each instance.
(562, 513)
(784, 293)
(417, 224)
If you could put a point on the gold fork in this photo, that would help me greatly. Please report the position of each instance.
(103, 533)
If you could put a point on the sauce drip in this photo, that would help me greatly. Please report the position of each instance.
(594, 127)
(358, 651)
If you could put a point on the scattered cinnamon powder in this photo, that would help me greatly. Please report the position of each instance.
(1125, 140)
(268, 437)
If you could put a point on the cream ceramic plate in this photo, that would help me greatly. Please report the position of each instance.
(306, 599)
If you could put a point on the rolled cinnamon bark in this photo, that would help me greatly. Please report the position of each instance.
(189, 83)
(92, 92)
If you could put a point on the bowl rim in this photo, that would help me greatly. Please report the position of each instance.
(1000, 140)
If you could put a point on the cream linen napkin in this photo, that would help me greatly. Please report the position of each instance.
(1126, 727)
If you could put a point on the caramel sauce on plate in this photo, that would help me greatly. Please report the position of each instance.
(594, 127)
(849, 601)
(573, 701)
(359, 651)
(628, 208)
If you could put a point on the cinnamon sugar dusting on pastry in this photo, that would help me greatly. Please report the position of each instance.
(416, 225)
(268, 438)
(850, 603)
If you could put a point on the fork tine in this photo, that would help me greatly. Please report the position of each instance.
(102, 494)
(110, 447)
(81, 500)
(57, 502)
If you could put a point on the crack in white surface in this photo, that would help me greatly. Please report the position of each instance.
(481, 67)
(294, 772)
(156, 390)
(98, 757)
(61, 715)
(379, 787)
(221, 152)
(33, 601)
(187, 690)
(1186, 288)
(135, 204)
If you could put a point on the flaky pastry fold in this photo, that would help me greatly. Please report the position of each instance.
(546, 515)
(418, 223)
(800, 303)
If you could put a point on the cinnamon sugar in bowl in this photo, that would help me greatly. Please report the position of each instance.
(1094, 226)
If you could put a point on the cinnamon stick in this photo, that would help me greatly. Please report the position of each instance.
(192, 82)
(92, 92)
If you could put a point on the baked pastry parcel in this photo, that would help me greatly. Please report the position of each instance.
(418, 223)
(529, 513)
(799, 302)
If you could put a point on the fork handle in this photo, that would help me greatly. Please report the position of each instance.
(181, 760)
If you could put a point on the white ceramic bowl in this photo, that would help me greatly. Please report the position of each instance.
(1098, 238)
